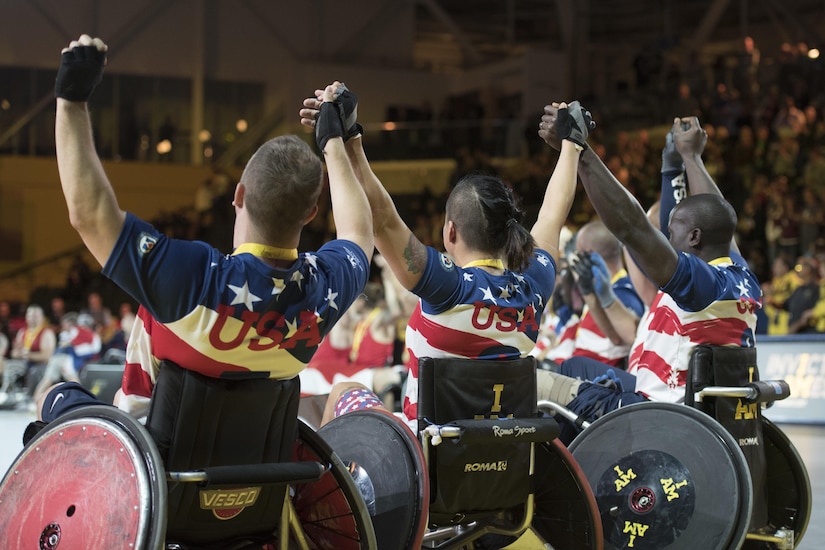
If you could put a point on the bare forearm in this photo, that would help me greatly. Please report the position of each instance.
(404, 253)
(623, 321)
(699, 180)
(558, 199)
(617, 208)
(93, 208)
(350, 208)
(601, 319)
(384, 213)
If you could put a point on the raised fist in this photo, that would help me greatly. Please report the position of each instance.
(81, 68)
(688, 136)
(574, 123)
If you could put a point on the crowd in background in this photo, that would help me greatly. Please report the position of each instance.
(765, 149)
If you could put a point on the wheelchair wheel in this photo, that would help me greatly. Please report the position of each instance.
(666, 476)
(332, 512)
(787, 482)
(566, 513)
(91, 479)
(391, 465)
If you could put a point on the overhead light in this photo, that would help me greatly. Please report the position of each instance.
(164, 147)
(204, 136)
(241, 125)
(813, 53)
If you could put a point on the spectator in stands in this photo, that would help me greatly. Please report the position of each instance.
(78, 343)
(802, 301)
(31, 350)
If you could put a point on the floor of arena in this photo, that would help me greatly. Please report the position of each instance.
(809, 441)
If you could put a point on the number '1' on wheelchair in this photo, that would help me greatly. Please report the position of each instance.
(483, 469)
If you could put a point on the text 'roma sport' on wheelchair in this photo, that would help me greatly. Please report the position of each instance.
(218, 466)
(484, 469)
(715, 474)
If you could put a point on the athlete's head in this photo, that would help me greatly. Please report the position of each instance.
(703, 225)
(484, 212)
(282, 182)
(596, 237)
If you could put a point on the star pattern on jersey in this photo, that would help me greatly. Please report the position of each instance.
(331, 298)
(744, 288)
(297, 278)
(278, 286)
(543, 260)
(312, 260)
(517, 286)
(541, 301)
(506, 292)
(292, 329)
(488, 295)
(468, 276)
(243, 296)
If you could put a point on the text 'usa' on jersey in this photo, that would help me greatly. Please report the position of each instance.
(226, 308)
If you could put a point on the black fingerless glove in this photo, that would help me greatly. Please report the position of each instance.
(347, 103)
(582, 265)
(328, 124)
(81, 70)
(574, 123)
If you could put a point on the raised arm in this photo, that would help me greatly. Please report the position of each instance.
(403, 252)
(349, 203)
(690, 139)
(625, 218)
(93, 208)
(570, 136)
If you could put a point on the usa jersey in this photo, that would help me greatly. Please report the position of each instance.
(226, 315)
(470, 313)
(591, 341)
(703, 303)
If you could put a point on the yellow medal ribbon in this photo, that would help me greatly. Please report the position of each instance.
(267, 252)
(488, 262)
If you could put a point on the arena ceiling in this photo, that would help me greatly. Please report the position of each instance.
(489, 30)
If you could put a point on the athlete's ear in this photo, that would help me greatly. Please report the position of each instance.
(451, 233)
(311, 215)
(237, 199)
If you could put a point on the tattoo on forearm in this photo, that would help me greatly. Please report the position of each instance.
(415, 255)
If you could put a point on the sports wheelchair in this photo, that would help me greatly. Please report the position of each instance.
(714, 474)
(221, 463)
(483, 469)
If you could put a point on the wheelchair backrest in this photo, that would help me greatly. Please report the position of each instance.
(198, 421)
(733, 367)
(468, 481)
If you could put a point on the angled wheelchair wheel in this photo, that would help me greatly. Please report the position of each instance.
(566, 513)
(332, 512)
(787, 482)
(91, 479)
(389, 466)
(666, 476)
